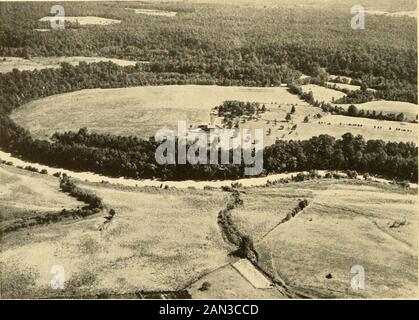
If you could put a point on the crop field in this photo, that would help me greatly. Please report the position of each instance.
(299, 251)
(86, 20)
(7, 64)
(139, 111)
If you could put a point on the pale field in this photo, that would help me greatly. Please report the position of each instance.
(52, 62)
(24, 194)
(344, 86)
(158, 240)
(154, 12)
(166, 240)
(142, 111)
(85, 20)
(263, 208)
(321, 93)
(343, 226)
(227, 283)
(410, 110)
(412, 14)
(337, 125)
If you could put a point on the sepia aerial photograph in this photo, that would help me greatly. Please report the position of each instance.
(209, 150)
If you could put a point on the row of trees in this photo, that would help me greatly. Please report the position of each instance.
(352, 110)
(135, 158)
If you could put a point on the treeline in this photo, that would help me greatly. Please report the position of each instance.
(352, 110)
(94, 205)
(131, 157)
(92, 200)
(355, 96)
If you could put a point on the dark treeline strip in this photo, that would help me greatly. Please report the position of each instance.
(92, 200)
(135, 158)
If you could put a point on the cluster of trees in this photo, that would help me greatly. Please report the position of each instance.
(396, 160)
(353, 111)
(356, 96)
(232, 109)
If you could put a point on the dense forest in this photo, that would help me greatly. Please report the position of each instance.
(261, 48)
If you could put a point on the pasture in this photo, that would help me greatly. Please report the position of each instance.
(155, 12)
(158, 240)
(323, 94)
(345, 224)
(24, 193)
(337, 125)
(141, 111)
(169, 239)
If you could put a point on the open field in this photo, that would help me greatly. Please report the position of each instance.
(7, 64)
(345, 224)
(323, 94)
(410, 110)
(24, 194)
(139, 110)
(154, 12)
(144, 110)
(169, 239)
(158, 240)
(337, 125)
(87, 20)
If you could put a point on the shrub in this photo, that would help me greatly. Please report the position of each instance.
(44, 171)
(205, 286)
(352, 174)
